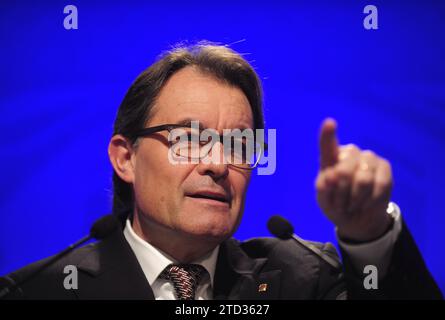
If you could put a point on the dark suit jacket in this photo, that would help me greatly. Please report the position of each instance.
(109, 270)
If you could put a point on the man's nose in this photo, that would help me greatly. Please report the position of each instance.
(214, 163)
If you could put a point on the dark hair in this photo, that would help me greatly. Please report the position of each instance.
(135, 110)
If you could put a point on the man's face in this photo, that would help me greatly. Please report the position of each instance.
(179, 196)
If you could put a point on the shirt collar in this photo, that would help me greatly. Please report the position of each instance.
(153, 261)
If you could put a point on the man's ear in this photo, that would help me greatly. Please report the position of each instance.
(120, 152)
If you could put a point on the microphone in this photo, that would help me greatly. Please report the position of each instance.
(101, 229)
(283, 229)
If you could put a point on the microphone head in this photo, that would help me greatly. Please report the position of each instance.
(104, 226)
(280, 227)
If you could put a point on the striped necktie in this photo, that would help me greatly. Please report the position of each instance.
(185, 279)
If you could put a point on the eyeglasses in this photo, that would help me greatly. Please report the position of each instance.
(240, 149)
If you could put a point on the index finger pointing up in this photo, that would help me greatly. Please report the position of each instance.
(328, 143)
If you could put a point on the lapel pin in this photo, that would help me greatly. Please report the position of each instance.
(262, 287)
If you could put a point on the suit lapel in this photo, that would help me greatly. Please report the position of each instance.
(111, 271)
(238, 276)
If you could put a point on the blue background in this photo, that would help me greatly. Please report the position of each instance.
(60, 89)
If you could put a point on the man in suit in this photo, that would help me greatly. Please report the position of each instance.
(178, 219)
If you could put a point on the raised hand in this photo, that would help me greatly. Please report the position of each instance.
(353, 187)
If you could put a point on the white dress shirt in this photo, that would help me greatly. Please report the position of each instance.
(153, 261)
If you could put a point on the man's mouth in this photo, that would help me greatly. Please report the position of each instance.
(211, 196)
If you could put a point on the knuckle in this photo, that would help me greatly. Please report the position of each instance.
(348, 151)
(386, 164)
(363, 180)
(344, 172)
(319, 182)
(383, 184)
(330, 174)
(368, 154)
(350, 147)
(354, 149)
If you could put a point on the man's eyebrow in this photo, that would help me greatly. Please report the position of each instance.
(188, 123)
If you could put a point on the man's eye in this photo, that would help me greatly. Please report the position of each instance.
(193, 137)
(189, 138)
(185, 137)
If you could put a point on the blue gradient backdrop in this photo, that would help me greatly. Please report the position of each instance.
(59, 92)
